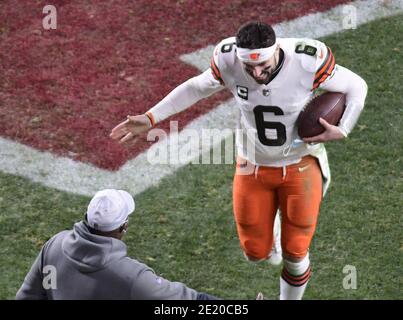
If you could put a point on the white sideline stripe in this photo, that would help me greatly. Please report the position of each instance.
(76, 177)
(137, 174)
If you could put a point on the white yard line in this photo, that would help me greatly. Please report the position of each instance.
(137, 174)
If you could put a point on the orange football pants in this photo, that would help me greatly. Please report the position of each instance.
(258, 193)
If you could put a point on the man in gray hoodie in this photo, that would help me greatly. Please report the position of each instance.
(91, 262)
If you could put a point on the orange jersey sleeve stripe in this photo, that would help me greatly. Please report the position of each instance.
(318, 81)
(325, 70)
(151, 117)
(325, 63)
(216, 72)
(328, 66)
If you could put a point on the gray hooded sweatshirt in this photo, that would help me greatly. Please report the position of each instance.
(76, 264)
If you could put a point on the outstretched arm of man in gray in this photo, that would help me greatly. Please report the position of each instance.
(149, 286)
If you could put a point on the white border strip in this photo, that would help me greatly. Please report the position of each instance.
(138, 175)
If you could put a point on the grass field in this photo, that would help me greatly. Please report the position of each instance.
(184, 228)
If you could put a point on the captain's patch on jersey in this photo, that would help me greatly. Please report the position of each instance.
(242, 92)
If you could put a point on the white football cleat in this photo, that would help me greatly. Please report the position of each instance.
(276, 256)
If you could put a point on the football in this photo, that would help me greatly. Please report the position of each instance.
(329, 106)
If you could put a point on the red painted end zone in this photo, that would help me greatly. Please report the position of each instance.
(64, 90)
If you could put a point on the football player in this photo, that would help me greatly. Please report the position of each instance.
(272, 79)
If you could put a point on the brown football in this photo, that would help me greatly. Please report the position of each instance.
(329, 106)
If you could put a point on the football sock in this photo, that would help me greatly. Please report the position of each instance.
(294, 279)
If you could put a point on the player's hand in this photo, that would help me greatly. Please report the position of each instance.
(331, 133)
(131, 128)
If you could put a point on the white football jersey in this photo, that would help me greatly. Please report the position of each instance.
(268, 113)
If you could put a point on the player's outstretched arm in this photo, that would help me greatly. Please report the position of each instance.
(179, 99)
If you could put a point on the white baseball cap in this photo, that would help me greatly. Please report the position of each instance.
(109, 209)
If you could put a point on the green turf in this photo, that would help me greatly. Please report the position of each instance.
(184, 228)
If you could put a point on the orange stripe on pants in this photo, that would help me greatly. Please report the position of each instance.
(257, 196)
